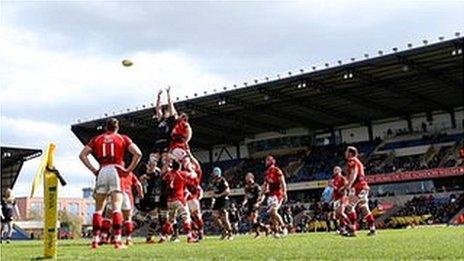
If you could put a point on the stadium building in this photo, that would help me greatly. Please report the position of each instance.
(403, 110)
(13, 159)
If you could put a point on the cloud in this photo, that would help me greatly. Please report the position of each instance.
(37, 134)
(56, 86)
(43, 91)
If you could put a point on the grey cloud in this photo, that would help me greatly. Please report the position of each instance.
(237, 38)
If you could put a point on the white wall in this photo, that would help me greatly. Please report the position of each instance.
(459, 115)
(441, 121)
(380, 129)
(244, 152)
(355, 134)
(203, 155)
(271, 135)
(417, 120)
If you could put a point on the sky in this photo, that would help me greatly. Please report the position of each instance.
(61, 60)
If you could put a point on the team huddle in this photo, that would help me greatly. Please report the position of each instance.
(170, 189)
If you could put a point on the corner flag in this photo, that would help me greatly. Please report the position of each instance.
(50, 175)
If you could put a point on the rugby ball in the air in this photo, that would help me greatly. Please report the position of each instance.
(127, 62)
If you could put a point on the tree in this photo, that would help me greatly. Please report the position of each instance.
(71, 222)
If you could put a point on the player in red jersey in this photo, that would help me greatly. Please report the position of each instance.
(176, 181)
(340, 199)
(109, 149)
(358, 192)
(128, 183)
(194, 193)
(276, 188)
(181, 132)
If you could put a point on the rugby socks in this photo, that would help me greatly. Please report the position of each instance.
(187, 228)
(105, 229)
(344, 221)
(152, 226)
(128, 229)
(175, 229)
(370, 221)
(353, 217)
(255, 227)
(117, 225)
(167, 228)
(96, 226)
(199, 224)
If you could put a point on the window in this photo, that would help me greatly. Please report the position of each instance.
(73, 208)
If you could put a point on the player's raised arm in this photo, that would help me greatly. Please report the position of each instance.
(171, 108)
(84, 157)
(189, 132)
(136, 156)
(158, 112)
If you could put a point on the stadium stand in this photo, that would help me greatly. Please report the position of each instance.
(403, 111)
(12, 163)
(423, 210)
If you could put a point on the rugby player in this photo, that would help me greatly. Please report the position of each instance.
(128, 183)
(358, 192)
(220, 203)
(109, 149)
(234, 218)
(276, 188)
(165, 121)
(251, 202)
(339, 200)
(154, 203)
(195, 194)
(181, 132)
(176, 181)
(7, 212)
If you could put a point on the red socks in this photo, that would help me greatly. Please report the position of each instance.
(187, 227)
(128, 228)
(97, 224)
(167, 228)
(353, 217)
(199, 224)
(344, 221)
(106, 226)
(370, 220)
(117, 225)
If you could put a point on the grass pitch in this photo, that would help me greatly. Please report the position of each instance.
(420, 243)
